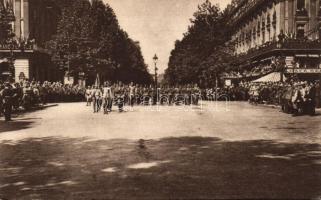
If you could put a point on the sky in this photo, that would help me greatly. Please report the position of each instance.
(157, 24)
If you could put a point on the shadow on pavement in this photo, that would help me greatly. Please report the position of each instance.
(20, 120)
(14, 125)
(170, 168)
(22, 113)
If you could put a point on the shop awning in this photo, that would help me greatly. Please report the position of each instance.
(4, 60)
(272, 77)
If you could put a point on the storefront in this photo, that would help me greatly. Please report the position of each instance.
(310, 75)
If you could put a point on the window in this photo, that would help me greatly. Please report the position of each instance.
(258, 29)
(268, 24)
(254, 33)
(263, 29)
(300, 31)
(300, 5)
(274, 20)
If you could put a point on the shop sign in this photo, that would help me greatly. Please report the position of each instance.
(228, 82)
(304, 71)
(69, 80)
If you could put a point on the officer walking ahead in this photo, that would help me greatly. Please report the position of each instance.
(6, 97)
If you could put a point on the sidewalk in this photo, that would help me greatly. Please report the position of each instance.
(279, 107)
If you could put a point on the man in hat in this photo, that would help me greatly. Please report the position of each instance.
(6, 96)
(310, 106)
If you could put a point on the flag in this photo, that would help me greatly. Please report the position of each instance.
(97, 82)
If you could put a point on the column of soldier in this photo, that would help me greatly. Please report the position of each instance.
(104, 97)
(294, 97)
(26, 95)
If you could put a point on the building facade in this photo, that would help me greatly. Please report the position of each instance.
(264, 30)
(34, 23)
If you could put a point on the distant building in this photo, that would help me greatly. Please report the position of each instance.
(264, 30)
(35, 21)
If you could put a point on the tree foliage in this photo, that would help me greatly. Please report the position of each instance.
(202, 54)
(90, 40)
(5, 26)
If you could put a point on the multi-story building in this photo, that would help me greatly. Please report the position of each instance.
(266, 30)
(33, 23)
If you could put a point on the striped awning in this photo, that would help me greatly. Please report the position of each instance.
(272, 77)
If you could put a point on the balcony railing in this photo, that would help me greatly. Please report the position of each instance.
(290, 44)
(245, 9)
(17, 45)
(302, 13)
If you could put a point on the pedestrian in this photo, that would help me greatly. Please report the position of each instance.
(317, 94)
(7, 94)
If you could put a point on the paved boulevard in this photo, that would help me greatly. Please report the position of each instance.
(212, 151)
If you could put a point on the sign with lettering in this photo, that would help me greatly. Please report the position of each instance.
(228, 82)
(304, 71)
(69, 80)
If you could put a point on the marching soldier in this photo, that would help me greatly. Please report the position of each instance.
(88, 95)
(120, 96)
(107, 98)
(97, 95)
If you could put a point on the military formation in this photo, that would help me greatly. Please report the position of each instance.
(26, 95)
(294, 97)
(104, 97)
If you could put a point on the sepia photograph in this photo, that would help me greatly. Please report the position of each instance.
(160, 99)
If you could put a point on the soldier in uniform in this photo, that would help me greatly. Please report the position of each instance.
(120, 96)
(138, 94)
(195, 94)
(97, 99)
(88, 96)
(107, 97)
(6, 96)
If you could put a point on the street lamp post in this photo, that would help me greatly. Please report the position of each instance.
(155, 58)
